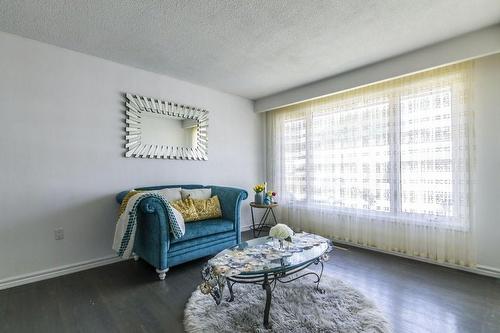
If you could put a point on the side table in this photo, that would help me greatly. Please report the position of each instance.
(263, 221)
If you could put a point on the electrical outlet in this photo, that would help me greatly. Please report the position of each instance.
(59, 233)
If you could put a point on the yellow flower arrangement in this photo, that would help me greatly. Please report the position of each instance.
(259, 188)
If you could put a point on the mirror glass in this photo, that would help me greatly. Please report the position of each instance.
(168, 130)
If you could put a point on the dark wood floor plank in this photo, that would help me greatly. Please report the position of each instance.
(127, 297)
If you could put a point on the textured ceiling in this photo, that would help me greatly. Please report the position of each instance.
(248, 48)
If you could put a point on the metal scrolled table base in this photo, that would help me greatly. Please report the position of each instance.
(269, 280)
(259, 227)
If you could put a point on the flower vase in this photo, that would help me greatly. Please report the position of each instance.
(259, 198)
(267, 200)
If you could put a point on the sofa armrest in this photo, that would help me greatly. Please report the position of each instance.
(152, 206)
(230, 200)
(147, 205)
(120, 196)
(153, 237)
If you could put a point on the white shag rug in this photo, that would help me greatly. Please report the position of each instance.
(295, 307)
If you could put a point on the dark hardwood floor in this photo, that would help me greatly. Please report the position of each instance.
(127, 297)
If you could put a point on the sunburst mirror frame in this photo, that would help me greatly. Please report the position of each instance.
(137, 106)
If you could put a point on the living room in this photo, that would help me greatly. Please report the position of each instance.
(250, 166)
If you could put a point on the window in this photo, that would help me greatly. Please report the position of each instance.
(347, 148)
(294, 147)
(426, 153)
(396, 150)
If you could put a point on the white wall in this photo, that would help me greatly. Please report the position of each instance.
(487, 192)
(477, 43)
(61, 145)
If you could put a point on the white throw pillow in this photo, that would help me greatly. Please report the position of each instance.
(170, 194)
(197, 194)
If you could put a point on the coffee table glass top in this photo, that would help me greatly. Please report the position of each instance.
(265, 255)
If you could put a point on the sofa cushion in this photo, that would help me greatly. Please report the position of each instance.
(204, 228)
(208, 209)
(199, 193)
(200, 243)
(187, 208)
(170, 194)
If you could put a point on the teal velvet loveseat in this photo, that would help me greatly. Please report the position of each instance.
(155, 244)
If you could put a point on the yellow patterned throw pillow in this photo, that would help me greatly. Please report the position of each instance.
(187, 209)
(208, 208)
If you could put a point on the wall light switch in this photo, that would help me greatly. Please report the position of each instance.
(59, 233)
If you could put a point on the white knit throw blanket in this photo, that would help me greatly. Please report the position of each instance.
(123, 242)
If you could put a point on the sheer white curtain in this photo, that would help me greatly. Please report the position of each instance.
(384, 166)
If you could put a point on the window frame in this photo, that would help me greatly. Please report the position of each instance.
(396, 212)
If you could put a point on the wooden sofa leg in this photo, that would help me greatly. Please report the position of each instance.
(162, 273)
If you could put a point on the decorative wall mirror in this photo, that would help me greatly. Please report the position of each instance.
(160, 129)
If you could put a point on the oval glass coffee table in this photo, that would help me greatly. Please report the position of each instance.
(265, 261)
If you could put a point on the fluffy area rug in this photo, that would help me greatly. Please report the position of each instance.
(295, 307)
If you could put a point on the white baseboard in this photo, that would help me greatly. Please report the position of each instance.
(488, 270)
(479, 269)
(57, 271)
